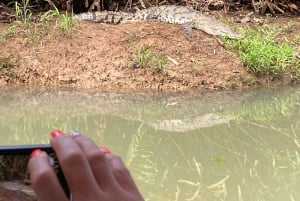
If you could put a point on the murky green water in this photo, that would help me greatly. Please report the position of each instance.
(223, 146)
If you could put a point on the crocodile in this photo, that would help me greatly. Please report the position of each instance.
(186, 16)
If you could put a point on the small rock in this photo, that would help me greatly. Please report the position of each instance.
(134, 65)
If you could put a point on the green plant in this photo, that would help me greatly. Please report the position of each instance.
(49, 15)
(153, 60)
(144, 55)
(33, 34)
(23, 15)
(161, 67)
(22, 12)
(262, 55)
(66, 23)
(9, 32)
(193, 64)
(161, 64)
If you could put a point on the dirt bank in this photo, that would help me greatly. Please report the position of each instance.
(105, 57)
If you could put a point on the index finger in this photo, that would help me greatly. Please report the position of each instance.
(43, 179)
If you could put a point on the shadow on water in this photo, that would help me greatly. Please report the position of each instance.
(221, 146)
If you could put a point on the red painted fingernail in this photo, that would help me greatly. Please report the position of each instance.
(56, 133)
(35, 152)
(105, 150)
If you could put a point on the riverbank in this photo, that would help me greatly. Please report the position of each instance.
(109, 57)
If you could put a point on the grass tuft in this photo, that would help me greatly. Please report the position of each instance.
(25, 23)
(22, 12)
(65, 21)
(9, 32)
(144, 55)
(262, 55)
(147, 58)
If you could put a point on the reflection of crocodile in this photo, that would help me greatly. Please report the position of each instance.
(189, 124)
(167, 13)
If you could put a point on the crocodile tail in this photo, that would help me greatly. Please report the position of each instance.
(108, 17)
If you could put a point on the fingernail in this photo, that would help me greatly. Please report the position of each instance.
(105, 150)
(56, 133)
(35, 153)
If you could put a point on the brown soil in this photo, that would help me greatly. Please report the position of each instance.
(101, 56)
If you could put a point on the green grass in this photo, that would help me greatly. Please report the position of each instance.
(145, 54)
(262, 55)
(64, 22)
(155, 61)
(9, 32)
(36, 28)
(23, 17)
(161, 64)
(22, 12)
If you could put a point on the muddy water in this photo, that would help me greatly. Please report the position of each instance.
(222, 146)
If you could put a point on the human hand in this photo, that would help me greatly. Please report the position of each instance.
(91, 174)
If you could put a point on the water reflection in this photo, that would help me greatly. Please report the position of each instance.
(223, 146)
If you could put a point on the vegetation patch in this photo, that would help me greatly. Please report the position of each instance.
(64, 21)
(25, 22)
(262, 54)
(148, 58)
(22, 12)
(8, 32)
